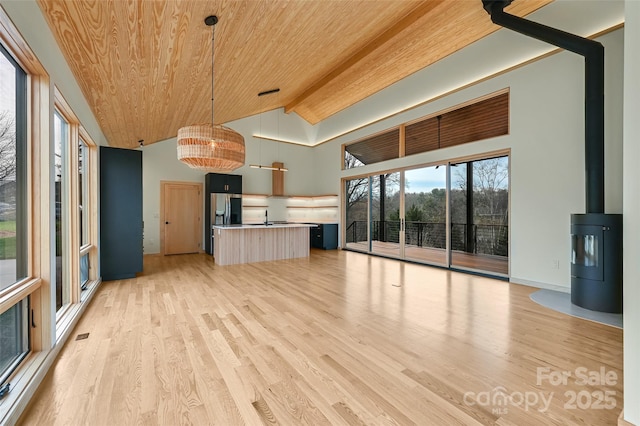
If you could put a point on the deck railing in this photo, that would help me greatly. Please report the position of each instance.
(486, 238)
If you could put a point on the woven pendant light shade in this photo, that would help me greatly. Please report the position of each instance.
(210, 148)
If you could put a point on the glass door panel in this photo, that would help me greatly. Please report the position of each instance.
(61, 137)
(357, 208)
(454, 216)
(425, 214)
(458, 208)
(385, 214)
(479, 204)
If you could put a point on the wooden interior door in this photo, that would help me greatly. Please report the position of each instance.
(181, 221)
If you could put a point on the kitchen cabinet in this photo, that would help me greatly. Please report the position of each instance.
(121, 224)
(325, 236)
(222, 183)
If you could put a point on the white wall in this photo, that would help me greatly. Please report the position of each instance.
(547, 155)
(159, 162)
(631, 219)
(297, 158)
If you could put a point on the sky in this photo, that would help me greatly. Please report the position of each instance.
(425, 179)
(7, 85)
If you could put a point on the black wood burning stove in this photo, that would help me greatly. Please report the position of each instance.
(596, 261)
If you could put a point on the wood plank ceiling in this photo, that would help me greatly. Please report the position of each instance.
(145, 65)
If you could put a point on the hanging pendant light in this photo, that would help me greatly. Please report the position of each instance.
(211, 147)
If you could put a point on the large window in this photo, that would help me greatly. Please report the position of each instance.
(454, 214)
(14, 337)
(13, 218)
(480, 214)
(75, 230)
(475, 120)
(48, 227)
(83, 211)
(74, 161)
(14, 332)
(83, 192)
(381, 147)
(61, 141)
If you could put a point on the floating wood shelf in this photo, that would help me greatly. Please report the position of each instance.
(306, 197)
(311, 197)
(312, 207)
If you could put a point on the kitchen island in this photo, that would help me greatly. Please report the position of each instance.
(258, 243)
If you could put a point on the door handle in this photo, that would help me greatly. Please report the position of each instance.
(166, 223)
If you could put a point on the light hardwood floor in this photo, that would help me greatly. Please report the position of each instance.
(435, 256)
(336, 338)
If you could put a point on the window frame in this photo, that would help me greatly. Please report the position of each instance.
(66, 275)
(14, 294)
(46, 335)
(75, 250)
(38, 269)
(443, 136)
(91, 206)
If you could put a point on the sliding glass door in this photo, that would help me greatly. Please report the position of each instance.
(357, 214)
(453, 215)
(425, 214)
(385, 214)
(479, 206)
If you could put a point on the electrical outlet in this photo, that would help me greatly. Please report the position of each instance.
(555, 264)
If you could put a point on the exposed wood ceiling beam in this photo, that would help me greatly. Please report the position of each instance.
(421, 40)
(420, 11)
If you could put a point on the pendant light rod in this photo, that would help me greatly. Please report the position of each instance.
(211, 21)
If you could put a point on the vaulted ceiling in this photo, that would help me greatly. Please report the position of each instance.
(145, 65)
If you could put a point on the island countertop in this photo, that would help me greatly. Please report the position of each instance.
(263, 226)
(258, 243)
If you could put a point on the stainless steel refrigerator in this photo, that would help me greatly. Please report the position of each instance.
(226, 209)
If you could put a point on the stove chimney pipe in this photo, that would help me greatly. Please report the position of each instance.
(593, 53)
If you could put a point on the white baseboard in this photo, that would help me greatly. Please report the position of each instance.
(536, 284)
